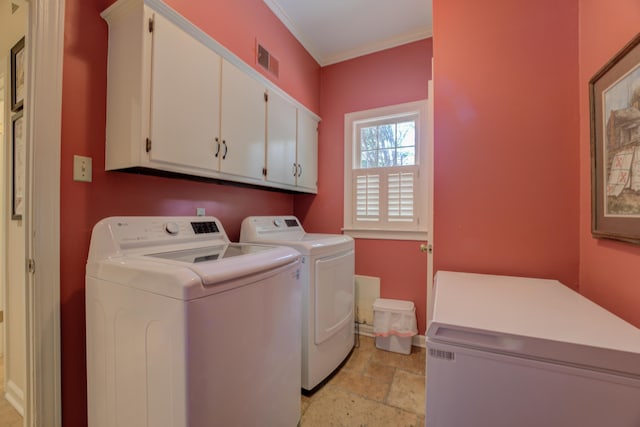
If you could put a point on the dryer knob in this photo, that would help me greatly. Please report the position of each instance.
(172, 228)
(277, 222)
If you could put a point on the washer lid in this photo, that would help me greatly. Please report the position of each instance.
(533, 318)
(188, 274)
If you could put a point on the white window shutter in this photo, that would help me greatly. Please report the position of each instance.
(367, 196)
(400, 198)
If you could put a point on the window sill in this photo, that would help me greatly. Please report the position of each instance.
(359, 233)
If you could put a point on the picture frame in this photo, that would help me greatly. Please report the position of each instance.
(18, 165)
(614, 101)
(17, 75)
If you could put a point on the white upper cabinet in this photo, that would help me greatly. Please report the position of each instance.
(307, 176)
(185, 99)
(292, 145)
(178, 101)
(281, 140)
(243, 123)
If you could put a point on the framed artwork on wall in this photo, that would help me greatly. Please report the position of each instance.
(18, 165)
(17, 75)
(614, 97)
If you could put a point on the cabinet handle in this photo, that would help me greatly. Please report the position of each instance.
(224, 156)
(294, 169)
(217, 147)
(299, 170)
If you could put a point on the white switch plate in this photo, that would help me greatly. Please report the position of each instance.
(200, 211)
(82, 168)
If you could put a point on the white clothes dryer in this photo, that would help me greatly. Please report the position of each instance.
(327, 279)
(185, 328)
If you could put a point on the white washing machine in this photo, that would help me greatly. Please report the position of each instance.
(327, 278)
(185, 328)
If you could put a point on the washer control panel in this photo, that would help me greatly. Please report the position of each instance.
(143, 231)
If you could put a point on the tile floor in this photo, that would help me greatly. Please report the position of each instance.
(374, 388)
(9, 417)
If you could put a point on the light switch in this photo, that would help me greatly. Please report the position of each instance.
(82, 168)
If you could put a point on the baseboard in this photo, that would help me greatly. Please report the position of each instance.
(15, 397)
(367, 330)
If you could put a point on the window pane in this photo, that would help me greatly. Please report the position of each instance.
(406, 156)
(387, 135)
(387, 158)
(368, 138)
(407, 134)
(368, 159)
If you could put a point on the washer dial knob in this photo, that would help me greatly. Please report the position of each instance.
(277, 222)
(172, 228)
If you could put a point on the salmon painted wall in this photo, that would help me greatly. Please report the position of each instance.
(388, 77)
(115, 193)
(506, 138)
(609, 270)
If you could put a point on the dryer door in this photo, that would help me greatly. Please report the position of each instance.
(334, 294)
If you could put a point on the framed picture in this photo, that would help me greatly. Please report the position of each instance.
(614, 95)
(17, 75)
(18, 165)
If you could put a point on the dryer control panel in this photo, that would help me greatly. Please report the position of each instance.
(279, 227)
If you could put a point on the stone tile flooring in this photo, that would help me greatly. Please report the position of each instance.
(9, 417)
(374, 388)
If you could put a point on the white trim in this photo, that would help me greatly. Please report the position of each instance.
(387, 234)
(45, 33)
(430, 272)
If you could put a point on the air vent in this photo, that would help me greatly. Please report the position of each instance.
(268, 61)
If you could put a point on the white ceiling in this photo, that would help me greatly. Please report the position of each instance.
(337, 30)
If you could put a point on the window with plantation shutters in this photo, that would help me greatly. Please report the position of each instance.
(385, 186)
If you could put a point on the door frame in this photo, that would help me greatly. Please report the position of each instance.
(45, 46)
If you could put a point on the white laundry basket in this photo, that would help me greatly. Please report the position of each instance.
(394, 323)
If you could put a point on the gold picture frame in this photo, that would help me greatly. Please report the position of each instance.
(614, 97)
(17, 75)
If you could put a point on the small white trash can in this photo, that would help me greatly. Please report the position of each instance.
(394, 323)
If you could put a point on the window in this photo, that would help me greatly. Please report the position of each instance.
(386, 176)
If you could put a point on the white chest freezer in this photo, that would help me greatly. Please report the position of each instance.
(511, 351)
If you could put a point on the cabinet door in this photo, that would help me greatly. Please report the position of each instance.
(243, 123)
(281, 140)
(308, 152)
(185, 99)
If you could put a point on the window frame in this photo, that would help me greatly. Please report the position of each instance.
(419, 230)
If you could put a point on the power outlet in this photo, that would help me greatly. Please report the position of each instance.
(200, 211)
(82, 168)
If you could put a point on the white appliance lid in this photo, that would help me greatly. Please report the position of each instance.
(529, 317)
(180, 257)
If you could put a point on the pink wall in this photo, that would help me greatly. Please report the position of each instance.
(385, 78)
(609, 270)
(506, 137)
(115, 193)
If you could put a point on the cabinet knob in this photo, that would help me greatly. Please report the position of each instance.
(224, 156)
(217, 147)
(294, 169)
(299, 170)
